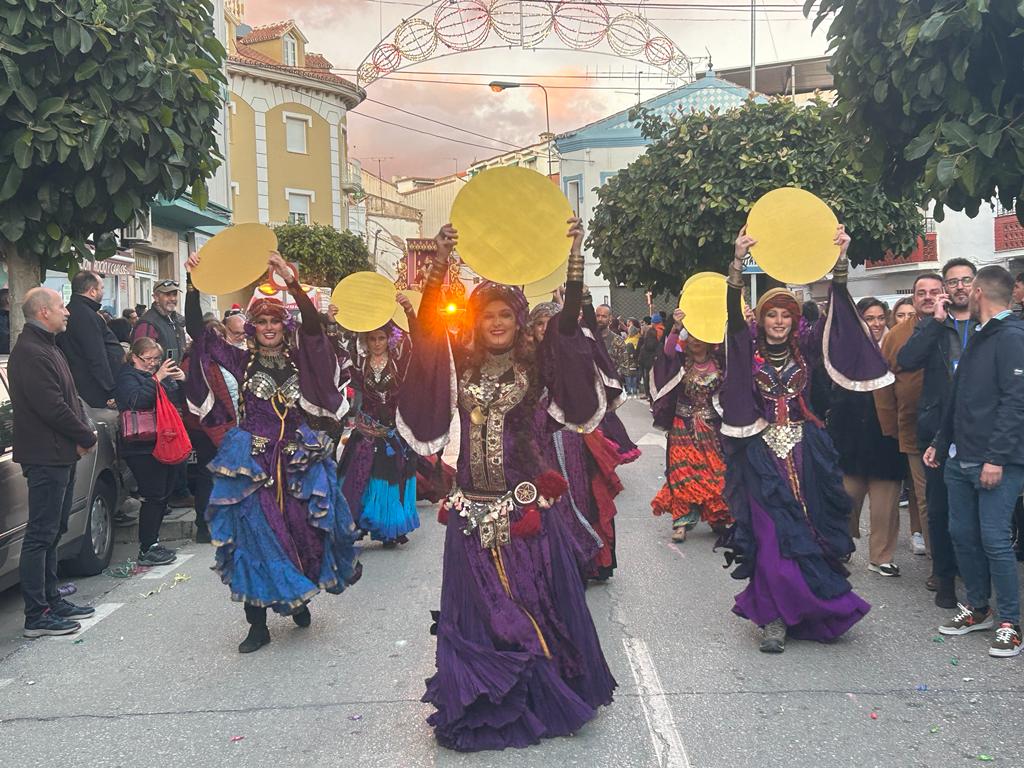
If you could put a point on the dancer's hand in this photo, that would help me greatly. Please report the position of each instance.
(576, 233)
(447, 239)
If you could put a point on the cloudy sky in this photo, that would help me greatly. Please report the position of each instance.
(583, 86)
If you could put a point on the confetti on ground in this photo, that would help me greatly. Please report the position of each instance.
(180, 578)
(954, 661)
(934, 729)
(938, 639)
(355, 717)
(79, 641)
(236, 738)
(126, 570)
(986, 758)
(968, 679)
(873, 715)
(922, 687)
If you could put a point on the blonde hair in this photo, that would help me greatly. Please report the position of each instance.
(141, 346)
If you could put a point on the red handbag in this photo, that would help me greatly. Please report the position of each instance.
(172, 443)
(138, 426)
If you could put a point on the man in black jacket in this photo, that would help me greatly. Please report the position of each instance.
(93, 352)
(51, 433)
(162, 321)
(982, 433)
(936, 346)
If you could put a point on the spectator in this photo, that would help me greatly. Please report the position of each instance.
(122, 330)
(869, 459)
(632, 372)
(5, 321)
(982, 433)
(162, 323)
(93, 352)
(897, 406)
(51, 432)
(648, 350)
(612, 341)
(1018, 291)
(131, 316)
(137, 380)
(939, 340)
(234, 328)
(902, 311)
(140, 310)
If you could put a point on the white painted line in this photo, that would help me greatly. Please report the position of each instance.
(652, 438)
(6, 681)
(668, 746)
(103, 610)
(167, 570)
(676, 549)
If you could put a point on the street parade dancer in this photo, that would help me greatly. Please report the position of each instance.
(378, 468)
(277, 515)
(687, 377)
(518, 658)
(587, 461)
(783, 484)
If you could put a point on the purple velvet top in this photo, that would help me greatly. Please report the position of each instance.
(377, 398)
(504, 451)
(320, 386)
(839, 337)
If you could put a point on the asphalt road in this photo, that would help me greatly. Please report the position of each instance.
(158, 681)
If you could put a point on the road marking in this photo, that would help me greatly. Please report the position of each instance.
(6, 681)
(166, 570)
(676, 549)
(668, 746)
(652, 438)
(103, 610)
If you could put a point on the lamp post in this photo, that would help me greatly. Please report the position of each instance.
(500, 85)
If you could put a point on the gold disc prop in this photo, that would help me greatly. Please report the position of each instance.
(512, 225)
(400, 318)
(365, 301)
(795, 231)
(703, 301)
(546, 285)
(234, 259)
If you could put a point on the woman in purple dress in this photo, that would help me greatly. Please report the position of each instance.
(783, 485)
(277, 515)
(377, 467)
(518, 657)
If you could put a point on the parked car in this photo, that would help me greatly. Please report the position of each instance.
(89, 541)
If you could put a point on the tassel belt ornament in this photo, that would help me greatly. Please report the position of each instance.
(686, 410)
(489, 513)
(782, 438)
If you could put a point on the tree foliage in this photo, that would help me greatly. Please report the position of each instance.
(104, 105)
(677, 208)
(325, 254)
(937, 90)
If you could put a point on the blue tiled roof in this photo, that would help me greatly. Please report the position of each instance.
(618, 131)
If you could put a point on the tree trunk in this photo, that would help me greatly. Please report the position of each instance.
(22, 276)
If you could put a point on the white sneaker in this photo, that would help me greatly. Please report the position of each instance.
(917, 544)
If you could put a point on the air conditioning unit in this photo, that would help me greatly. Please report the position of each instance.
(138, 231)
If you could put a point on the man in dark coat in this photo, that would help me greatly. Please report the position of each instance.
(51, 432)
(162, 322)
(93, 352)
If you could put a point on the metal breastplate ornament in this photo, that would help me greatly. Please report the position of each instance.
(780, 388)
(488, 400)
(262, 385)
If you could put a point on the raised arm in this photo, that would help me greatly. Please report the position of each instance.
(568, 318)
(311, 323)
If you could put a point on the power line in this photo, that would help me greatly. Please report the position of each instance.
(439, 122)
(427, 133)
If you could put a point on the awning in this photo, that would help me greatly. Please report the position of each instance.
(183, 215)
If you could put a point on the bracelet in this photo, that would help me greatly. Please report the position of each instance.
(575, 269)
(735, 278)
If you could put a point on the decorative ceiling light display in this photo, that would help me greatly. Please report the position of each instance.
(455, 26)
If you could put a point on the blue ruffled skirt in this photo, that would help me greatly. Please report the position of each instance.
(273, 555)
(389, 512)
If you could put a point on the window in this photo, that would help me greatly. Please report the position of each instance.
(298, 207)
(572, 191)
(295, 134)
(291, 51)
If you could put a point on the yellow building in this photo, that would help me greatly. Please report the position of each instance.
(287, 126)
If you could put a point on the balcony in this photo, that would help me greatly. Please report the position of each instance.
(926, 252)
(1009, 234)
(352, 179)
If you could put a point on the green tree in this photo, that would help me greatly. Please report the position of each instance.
(936, 89)
(104, 105)
(677, 208)
(326, 255)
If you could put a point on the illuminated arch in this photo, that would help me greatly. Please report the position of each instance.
(446, 27)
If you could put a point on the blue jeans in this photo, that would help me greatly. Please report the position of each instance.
(979, 524)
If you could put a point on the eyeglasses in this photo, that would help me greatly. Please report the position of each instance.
(953, 282)
(150, 359)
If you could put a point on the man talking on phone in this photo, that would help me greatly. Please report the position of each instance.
(936, 346)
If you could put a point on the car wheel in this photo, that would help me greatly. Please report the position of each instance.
(98, 541)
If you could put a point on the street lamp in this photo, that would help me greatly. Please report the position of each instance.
(500, 85)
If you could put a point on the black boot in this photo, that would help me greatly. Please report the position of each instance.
(258, 635)
(774, 638)
(202, 533)
(302, 617)
(945, 594)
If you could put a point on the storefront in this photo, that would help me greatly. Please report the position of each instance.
(117, 272)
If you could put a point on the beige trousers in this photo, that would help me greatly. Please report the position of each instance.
(884, 510)
(918, 500)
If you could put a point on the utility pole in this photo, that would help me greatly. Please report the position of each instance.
(753, 45)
